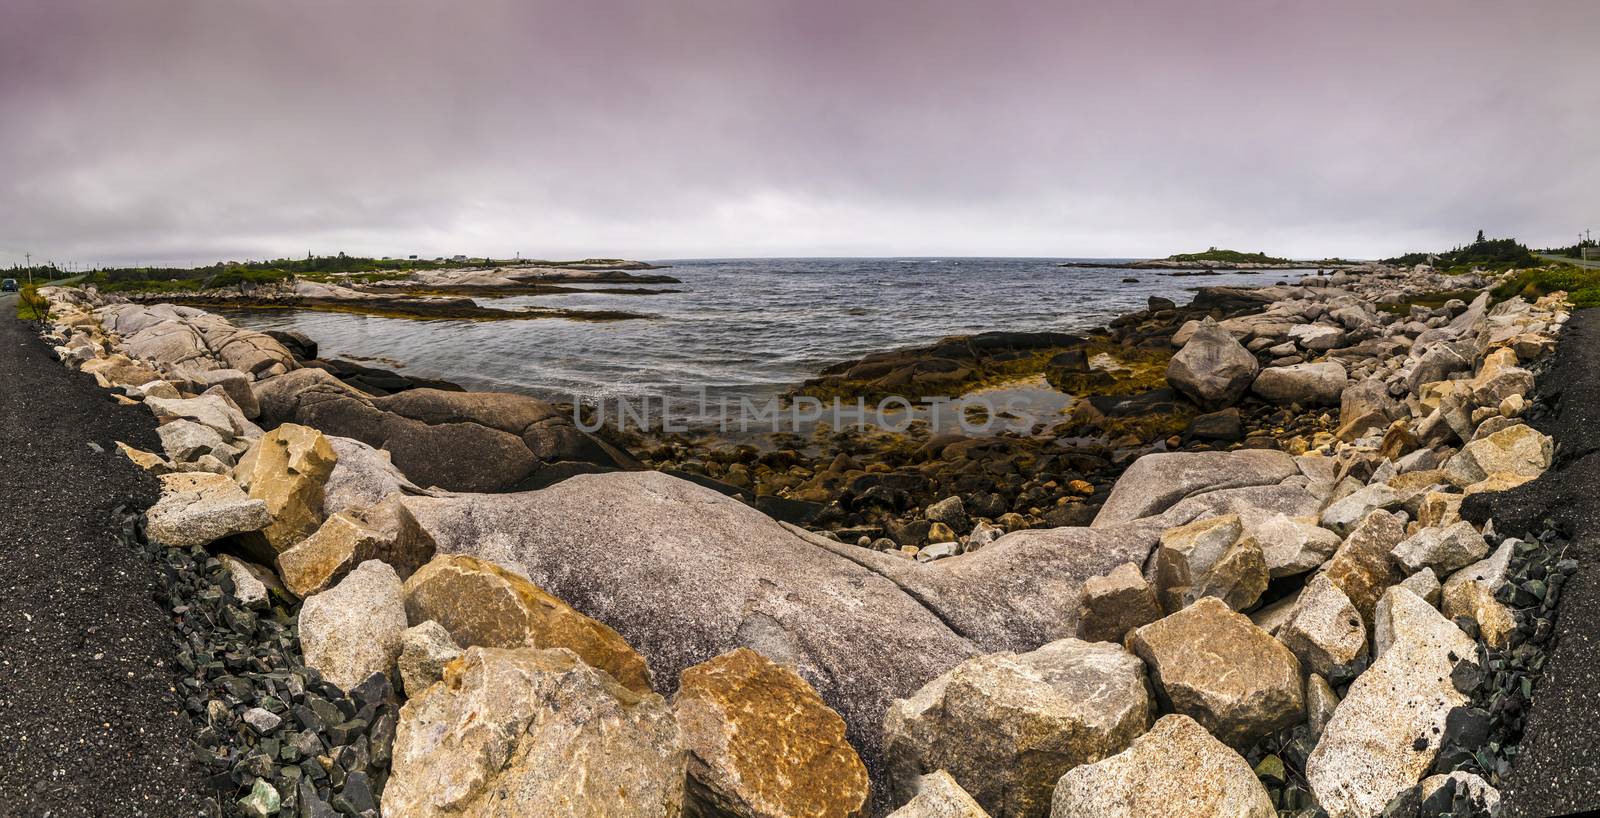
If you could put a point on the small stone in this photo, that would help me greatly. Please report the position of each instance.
(951, 511)
(261, 720)
(1215, 666)
(262, 801)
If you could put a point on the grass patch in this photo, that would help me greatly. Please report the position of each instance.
(1581, 285)
(31, 306)
(1229, 257)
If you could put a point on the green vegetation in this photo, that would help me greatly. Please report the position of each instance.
(31, 306)
(1229, 257)
(1582, 285)
(1493, 255)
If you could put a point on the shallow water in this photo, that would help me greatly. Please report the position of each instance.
(743, 328)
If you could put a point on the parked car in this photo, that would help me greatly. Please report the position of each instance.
(8, 286)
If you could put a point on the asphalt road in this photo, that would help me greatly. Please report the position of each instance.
(88, 721)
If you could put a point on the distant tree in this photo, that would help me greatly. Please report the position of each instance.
(1480, 238)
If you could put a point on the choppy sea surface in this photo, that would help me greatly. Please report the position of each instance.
(743, 328)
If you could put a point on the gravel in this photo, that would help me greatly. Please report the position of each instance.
(88, 721)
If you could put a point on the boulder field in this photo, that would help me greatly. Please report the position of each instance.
(551, 629)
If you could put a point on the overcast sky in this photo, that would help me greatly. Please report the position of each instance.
(193, 130)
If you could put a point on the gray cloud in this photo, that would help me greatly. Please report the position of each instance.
(188, 130)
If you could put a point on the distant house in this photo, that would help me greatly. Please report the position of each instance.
(458, 258)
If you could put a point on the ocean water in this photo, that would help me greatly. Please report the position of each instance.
(743, 328)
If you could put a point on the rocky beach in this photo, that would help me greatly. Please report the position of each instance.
(1257, 566)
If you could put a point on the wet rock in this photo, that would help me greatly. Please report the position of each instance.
(1215, 666)
(760, 743)
(384, 531)
(1362, 567)
(949, 511)
(1007, 726)
(425, 649)
(1383, 737)
(1224, 425)
(1177, 770)
(939, 796)
(1212, 369)
(1325, 632)
(353, 629)
(197, 508)
(286, 469)
(1318, 384)
(534, 732)
(483, 604)
(1445, 550)
(1115, 604)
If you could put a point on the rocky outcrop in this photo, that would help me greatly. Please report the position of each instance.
(353, 629)
(1212, 369)
(1215, 666)
(1006, 726)
(533, 732)
(460, 441)
(761, 744)
(1177, 770)
(1384, 735)
(482, 604)
(1157, 482)
(195, 339)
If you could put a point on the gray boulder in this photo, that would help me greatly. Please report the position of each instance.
(354, 629)
(199, 508)
(1157, 482)
(1007, 725)
(1212, 369)
(1318, 384)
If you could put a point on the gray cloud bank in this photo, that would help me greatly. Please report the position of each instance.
(190, 130)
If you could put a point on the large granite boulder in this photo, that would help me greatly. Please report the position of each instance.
(1006, 726)
(1362, 567)
(1318, 384)
(383, 531)
(286, 469)
(1215, 666)
(1293, 545)
(1212, 369)
(1177, 770)
(189, 338)
(1445, 550)
(362, 476)
(607, 544)
(1326, 632)
(483, 604)
(1384, 735)
(199, 508)
(1157, 482)
(1117, 603)
(353, 629)
(939, 796)
(761, 744)
(1208, 558)
(1509, 457)
(459, 441)
(533, 732)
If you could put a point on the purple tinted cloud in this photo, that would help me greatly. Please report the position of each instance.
(186, 130)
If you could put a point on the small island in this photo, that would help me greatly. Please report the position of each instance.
(1214, 260)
